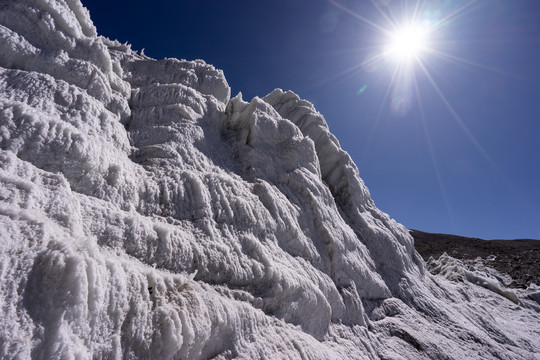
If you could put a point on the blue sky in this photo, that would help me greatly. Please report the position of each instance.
(454, 149)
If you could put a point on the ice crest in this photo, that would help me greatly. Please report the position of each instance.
(146, 214)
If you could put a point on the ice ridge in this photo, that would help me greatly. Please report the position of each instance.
(144, 213)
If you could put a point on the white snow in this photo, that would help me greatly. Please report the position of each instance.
(145, 214)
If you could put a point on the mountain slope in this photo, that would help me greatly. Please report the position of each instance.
(145, 214)
(520, 258)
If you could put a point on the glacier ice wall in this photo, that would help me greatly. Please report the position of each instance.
(146, 214)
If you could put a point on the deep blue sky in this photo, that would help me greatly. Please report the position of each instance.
(486, 181)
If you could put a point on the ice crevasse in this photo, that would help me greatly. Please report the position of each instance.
(145, 214)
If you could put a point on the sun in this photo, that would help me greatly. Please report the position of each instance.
(407, 42)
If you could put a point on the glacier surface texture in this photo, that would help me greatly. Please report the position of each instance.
(146, 214)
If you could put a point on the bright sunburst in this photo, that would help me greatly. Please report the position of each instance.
(410, 40)
(407, 42)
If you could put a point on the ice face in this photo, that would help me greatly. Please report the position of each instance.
(145, 214)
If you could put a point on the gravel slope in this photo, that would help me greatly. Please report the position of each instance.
(518, 258)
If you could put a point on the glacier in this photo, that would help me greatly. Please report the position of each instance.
(146, 214)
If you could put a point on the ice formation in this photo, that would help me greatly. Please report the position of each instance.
(144, 214)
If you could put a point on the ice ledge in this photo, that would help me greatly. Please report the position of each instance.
(337, 168)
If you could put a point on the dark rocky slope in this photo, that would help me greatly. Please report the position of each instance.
(520, 258)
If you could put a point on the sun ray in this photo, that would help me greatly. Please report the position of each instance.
(464, 127)
(336, 77)
(379, 112)
(391, 22)
(357, 51)
(350, 70)
(359, 17)
(456, 14)
(433, 157)
(418, 8)
(456, 117)
(463, 61)
(372, 60)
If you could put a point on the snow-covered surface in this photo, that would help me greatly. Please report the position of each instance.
(145, 214)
